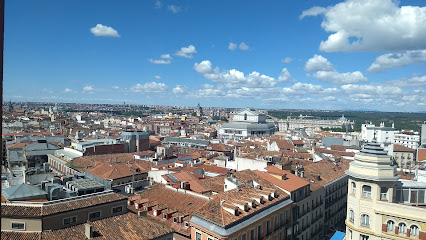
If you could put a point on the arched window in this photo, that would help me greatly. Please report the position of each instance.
(366, 191)
(402, 228)
(351, 215)
(365, 220)
(353, 188)
(414, 231)
(391, 226)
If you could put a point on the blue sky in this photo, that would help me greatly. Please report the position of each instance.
(354, 54)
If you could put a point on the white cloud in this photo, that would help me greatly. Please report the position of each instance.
(318, 63)
(115, 87)
(88, 88)
(416, 81)
(104, 31)
(158, 4)
(244, 46)
(365, 25)
(314, 11)
(175, 9)
(284, 76)
(67, 90)
(340, 78)
(166, 56)
(308, 88)
(372, 89)
(232, 46)
(179, 89)
(208, 93)
(186, 52)
(324, 71)
(236, 79)
(157, 77)
(287, 60)
(151, 87)
(329, 98)
(394, 60)
(159, 61)
(207, 86)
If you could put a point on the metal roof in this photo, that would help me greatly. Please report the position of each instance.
(22, 191)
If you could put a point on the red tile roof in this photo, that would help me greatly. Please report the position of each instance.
(292, 182)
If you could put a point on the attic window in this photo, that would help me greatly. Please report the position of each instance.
(186, 224)
(175, 220)
(213, 210)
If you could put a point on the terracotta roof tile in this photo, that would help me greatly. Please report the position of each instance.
(400, 148)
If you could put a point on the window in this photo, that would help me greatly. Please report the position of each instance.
(402, 228)
(366, 191)
(117, 209)
(186, 224)
(351, 215)
(259, 232)
(276, 223)
(364, 237)
(198, 236)
(414, 231)
(244, 236)
(94, 215)
(391, 226)
(18, 226)
(69, 220)
(365, 220)
(252, 234)
(268, 227)
(383, 193)
(281, 219)
(353, 188)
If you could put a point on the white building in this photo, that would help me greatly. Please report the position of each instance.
(246, 123)
(310, 122)
(407, 140)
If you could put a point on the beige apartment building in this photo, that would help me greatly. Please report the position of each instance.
(379, 205)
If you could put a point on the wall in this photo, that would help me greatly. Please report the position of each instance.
(30, 224)
(105, 149)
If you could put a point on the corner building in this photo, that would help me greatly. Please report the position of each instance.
(379, 205)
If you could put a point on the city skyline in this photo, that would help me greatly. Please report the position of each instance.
(300, 55)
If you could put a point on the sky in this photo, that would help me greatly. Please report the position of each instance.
(327, 55)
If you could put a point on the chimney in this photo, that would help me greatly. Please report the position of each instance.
(88, 230)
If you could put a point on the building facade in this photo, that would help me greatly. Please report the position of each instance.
(379, 206)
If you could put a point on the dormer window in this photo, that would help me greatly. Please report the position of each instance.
(165, 215)
(174, 219)
(186, 224)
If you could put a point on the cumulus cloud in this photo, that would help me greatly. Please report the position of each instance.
(416, 81)
(186, 52)
(179, 89)
(67, 90)
(174, 9)
(364, 25)
(207, 86)
(236, 79)
(166, 56)
(394, 60)
(232, 46)
(157, 77)
(318, 63)
(324, 71)
(151, 87)
(104, 31)
(300, 88)
(329, 98)
(284, 76)
(244, 46)
(166, 59)
(371, 89)
(115, 87)
(88, 88)
(340, 78)
(287, 60)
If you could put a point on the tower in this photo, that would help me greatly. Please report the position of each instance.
(372, 180)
